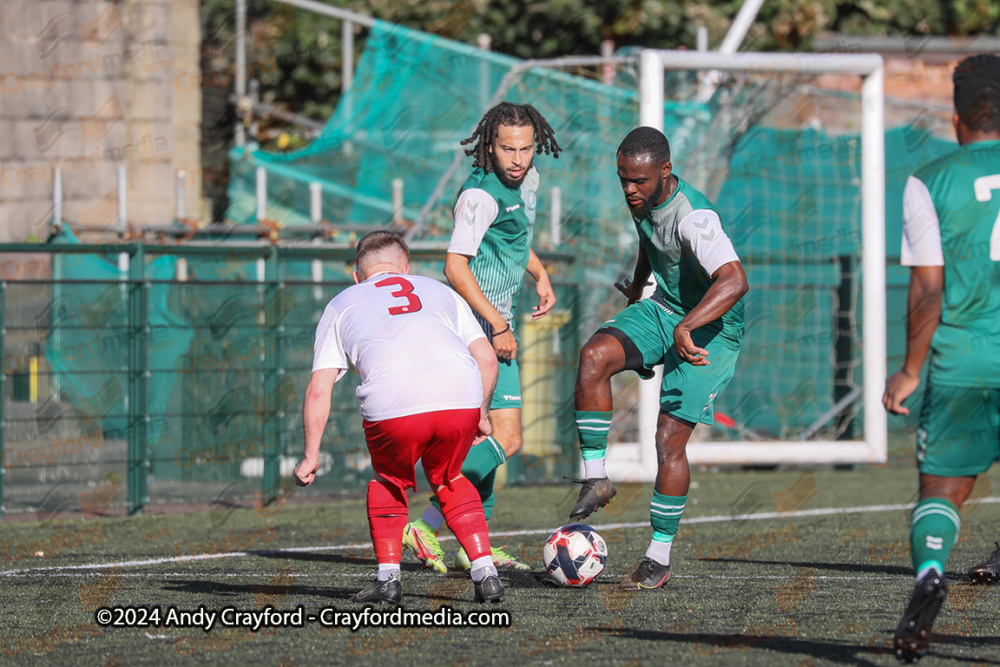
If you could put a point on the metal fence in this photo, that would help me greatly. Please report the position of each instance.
(149, 374)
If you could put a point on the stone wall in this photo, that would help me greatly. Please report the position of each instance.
(88, 86)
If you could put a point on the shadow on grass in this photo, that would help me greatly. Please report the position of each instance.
(456, 586)
(366, 560)
(836, 567)
(226, 589)
(720, 645)
(872, 653)
(940, 649)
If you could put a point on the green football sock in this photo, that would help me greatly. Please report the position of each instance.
(485, 489)
(933, 530)
(480, 468)
(592, 427)
(665, 516)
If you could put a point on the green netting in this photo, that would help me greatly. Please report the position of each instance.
(789, 192)
(414, 98)
(792, 201)
(89, 355)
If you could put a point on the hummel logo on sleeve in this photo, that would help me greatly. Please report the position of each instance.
(708, 237)
(470, 214)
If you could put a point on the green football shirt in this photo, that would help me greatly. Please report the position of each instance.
(493, 227)
(685, 243)
(951, 218)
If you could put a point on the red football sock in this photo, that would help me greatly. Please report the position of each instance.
(387, 514)
(463, 510)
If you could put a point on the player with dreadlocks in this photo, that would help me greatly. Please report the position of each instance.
(489, 252)
(951, 241)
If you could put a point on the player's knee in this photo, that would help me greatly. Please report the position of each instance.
(669, 450)
(512, 444)
(595, 359)
(666, 456)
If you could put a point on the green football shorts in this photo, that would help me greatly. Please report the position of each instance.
(508, 391)
(687, 391)
(959, 432)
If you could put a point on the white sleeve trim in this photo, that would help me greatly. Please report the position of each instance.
(475, 211)
(921, 227)
(701, 230)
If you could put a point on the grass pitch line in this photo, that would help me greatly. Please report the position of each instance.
(760, 516)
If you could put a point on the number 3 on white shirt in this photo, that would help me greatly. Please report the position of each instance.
(405, 291)
(984, 186)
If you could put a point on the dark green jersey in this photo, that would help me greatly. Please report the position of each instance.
(685, 244)
(951, 211)
(493, 227)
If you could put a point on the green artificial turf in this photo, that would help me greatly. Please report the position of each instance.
(800, 589)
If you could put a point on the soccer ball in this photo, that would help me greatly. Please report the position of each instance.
(574, 555)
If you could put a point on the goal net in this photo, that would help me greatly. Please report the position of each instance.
(793, 154)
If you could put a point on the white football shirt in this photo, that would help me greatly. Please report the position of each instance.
(409, 338)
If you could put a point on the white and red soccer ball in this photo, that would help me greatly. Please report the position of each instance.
(574, 555)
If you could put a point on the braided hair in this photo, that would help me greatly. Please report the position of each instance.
(511, 115)
(977, 92)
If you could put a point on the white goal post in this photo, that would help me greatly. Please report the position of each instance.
(873, 448)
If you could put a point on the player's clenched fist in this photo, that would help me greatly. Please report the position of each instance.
(686, 348)
(484, 430)
(505, 344)
(305, 472)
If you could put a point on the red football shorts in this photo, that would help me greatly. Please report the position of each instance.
(441, 439)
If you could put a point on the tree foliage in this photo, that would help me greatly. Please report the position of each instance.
(296, 55)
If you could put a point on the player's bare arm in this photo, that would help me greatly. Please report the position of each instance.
(458, 273)
(486, 359)
(923, 316)
(543, 286)
(640, 278)
(315, 412)
(729, 287)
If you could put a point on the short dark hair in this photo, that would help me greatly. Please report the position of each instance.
(977, 92)
(373, 245)
(643, 141)
(511, 115)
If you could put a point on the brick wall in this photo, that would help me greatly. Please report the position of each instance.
(88, 86)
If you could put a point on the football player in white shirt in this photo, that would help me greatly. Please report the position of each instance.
(427, 376)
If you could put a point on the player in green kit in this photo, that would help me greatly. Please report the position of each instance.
(692, 324)
(951, 241)
(489, 252)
